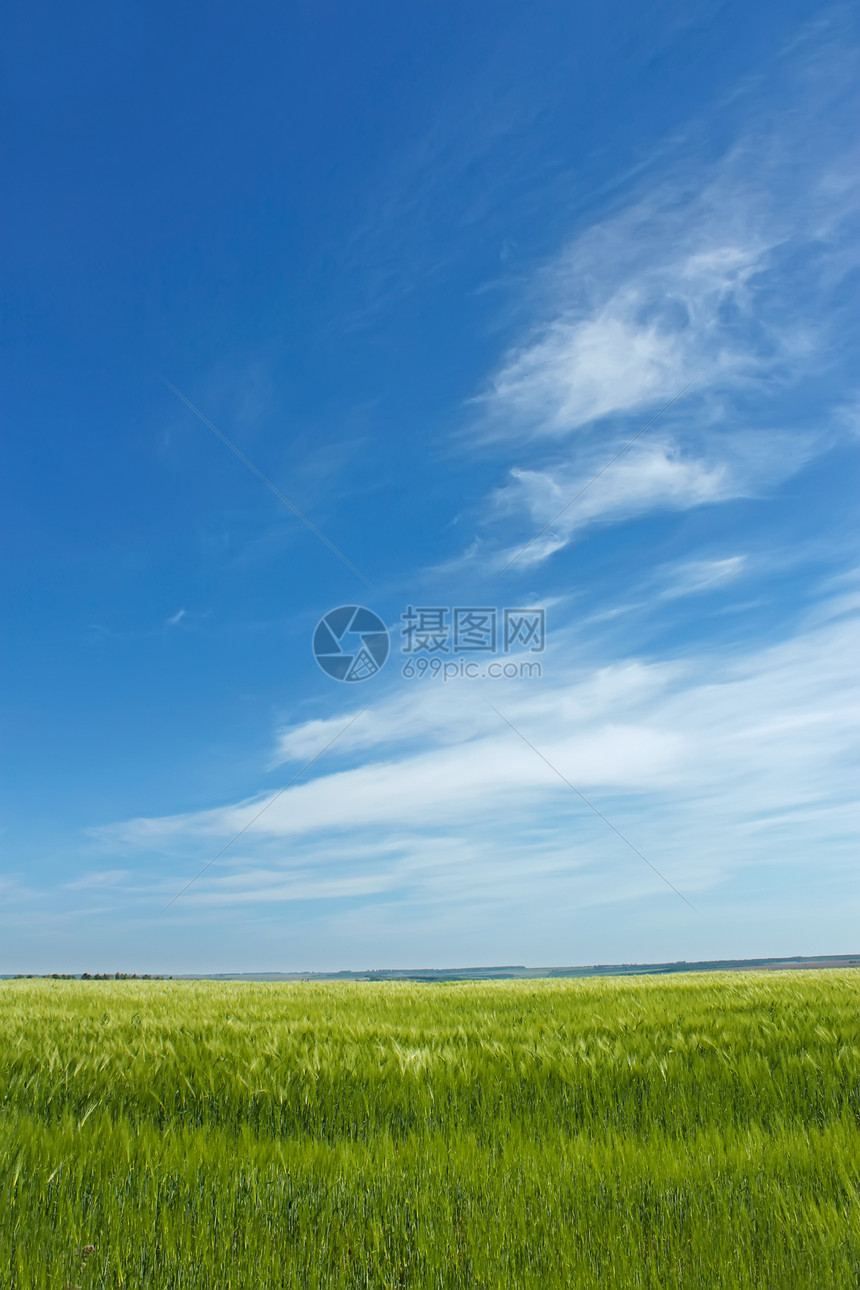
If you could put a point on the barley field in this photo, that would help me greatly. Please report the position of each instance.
(660, 1132)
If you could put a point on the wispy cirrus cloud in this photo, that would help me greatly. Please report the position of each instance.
(618, 348)
(712, 276)
(664, 474)
(694, 576)
(719, 764)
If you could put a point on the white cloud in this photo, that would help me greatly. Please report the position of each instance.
(694, 576)
(717, 767)
(651, 475)
(630, 346)
(722, 276)
(563, 499)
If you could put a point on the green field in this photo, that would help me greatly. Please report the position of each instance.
(692, 1131)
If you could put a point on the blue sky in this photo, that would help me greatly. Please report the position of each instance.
(430, 268)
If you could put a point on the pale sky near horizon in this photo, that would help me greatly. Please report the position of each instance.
(431, 269)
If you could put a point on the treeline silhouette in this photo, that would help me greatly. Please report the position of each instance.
(90, 976)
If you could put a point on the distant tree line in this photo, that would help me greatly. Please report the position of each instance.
(90, 976)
